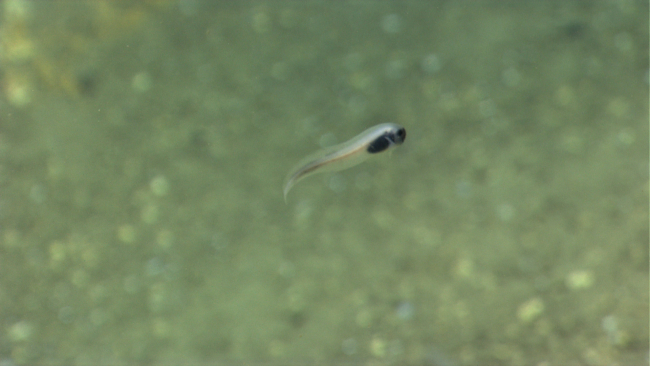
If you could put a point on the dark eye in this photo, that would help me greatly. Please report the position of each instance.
(401, 133)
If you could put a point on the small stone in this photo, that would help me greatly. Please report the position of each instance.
(349, 347)
(131, 284)
(288, 18)
(618, 107)
(506, 212)
(405, 310)
(126, 234)
(161, 328)
(511, 77)
(157, 297)
(431, 64)
(261, 22)
(18, 91)
(165, 239)
(90, 258)
(378, 347)
(141, 82)
(287, 270)
(280, 71)
(464, 268)
(363, 318)
(530, 310)
(383, 218)
(20, 332)
(98, 317)
(391, 24)
(57, 253)
(296, 302)
(565, 96)
(38, 194)
(79, 278)
(66, 315)
(189, 8)
(159, 186)
(17, 10)
(580, 279)
(626, 137)
(337, 183)
(277, 348)
(149, 214)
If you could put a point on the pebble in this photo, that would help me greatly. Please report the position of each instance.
(349, 347)
(530, 310)
(38, 194)
(405, 310)
(506, 212)
(431, 64)
(159, 186)
(363, 181)
(18, 10)
(57, 253)
(66, 314)
(188, 8)
(487, 108)
(618, 107)
(141, 82)
(161, 328)
(131, 284)
(149, 214)
(580, 279)
(337, 183)
(20, 331)
(511, 77)
(154, 267)
(90, 258)
(261, 22)
(289, 18)
(363, 318)
(395, 69)
(565, 96)
(165, 239)
(157, 297)
(464, 268)
(378, 347)
(98, 317)
(79, 278)
(391, 24)
(126, 234)
(18, 91)
(626, 137)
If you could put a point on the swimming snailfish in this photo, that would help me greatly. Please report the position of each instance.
(374, 140)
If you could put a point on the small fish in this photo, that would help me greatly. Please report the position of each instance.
(382, 137)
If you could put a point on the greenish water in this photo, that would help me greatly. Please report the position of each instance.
(143, 147)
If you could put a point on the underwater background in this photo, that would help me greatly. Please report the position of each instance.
(143, 146)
